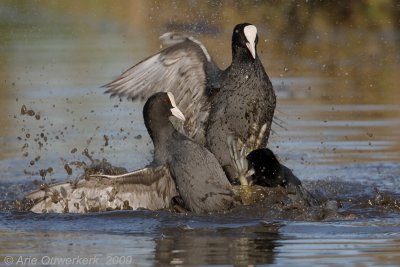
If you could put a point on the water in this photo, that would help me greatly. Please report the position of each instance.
(337, 106)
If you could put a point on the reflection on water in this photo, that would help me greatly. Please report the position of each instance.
(158, 238)
(335, 71)
(250, 245)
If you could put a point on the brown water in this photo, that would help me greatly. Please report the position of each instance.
(335, 71)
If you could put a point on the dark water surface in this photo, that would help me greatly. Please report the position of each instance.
(336, 78)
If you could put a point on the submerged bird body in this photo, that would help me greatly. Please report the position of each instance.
(269, 172)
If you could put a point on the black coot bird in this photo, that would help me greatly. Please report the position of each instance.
(226, 110)
(269, 172)
(179, 164)
(200, 180)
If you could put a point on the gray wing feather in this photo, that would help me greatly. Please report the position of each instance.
(150, 188)
(180, 69)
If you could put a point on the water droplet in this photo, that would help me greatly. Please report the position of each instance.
(68, 169)
(23, 110)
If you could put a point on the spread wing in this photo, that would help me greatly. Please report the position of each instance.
(150, 188)
(183, 69)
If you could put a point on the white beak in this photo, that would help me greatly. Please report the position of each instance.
(252, 49)
(250, 31)
(175, 110)
(177, 113)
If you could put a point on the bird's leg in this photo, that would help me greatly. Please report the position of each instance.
(256, 137)
(238, 152)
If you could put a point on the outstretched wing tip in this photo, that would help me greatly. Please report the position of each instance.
(171, 38)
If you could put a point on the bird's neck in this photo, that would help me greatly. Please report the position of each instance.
(160, 138)
(242, 55)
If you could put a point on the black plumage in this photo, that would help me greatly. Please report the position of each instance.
(268, 171)
(238, 102)
(244, 102)
(199, 178)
